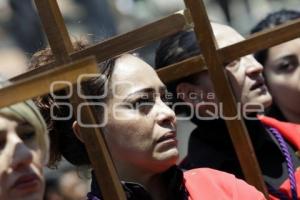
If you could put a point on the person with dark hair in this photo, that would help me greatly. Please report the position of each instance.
(140, 131)
(210, 144)
(282, 69)
(24, 150)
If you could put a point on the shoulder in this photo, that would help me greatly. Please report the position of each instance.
(213, 184)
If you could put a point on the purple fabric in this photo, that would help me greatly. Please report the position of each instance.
(90, 196)
(288, 159)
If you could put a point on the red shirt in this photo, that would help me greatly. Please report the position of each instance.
(209, 184)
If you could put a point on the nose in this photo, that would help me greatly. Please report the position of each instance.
(21, 154)
(253, 68)
(165, 115)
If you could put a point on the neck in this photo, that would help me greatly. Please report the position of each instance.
(150, 180)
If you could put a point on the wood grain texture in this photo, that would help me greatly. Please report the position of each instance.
(98, 152)
(135, 39)
(62, 47)
(40, 84)
(55, 29)
(237, 128)
(126, 42)
(261, 40)
(182, 69)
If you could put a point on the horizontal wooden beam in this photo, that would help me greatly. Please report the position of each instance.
(128, 41)
(255, 42)
(40, 84)
(261, 40)
(137, 38)
(182, 69)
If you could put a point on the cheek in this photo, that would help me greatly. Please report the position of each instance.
(129, 136)
(278, 85)
(38, 162)
(237, 80)
(283, 87)
(3, 178)
(5, 170)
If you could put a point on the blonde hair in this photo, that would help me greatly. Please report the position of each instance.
(27, 112)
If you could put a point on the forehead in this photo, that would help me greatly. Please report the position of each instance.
(5, 122)
(284, 49)
(132, 74)
(225, 35)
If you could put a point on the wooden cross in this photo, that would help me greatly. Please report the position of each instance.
(212, 59)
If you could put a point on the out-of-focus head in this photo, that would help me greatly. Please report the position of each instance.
(245, 74)
(24, 150)
(281, 67)
(72, 187)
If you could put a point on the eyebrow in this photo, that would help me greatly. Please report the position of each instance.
(146, 90)
(286, 57)
(24, 124)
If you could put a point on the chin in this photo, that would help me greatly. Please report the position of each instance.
(170, 157)
(265, 100)
(33, 196)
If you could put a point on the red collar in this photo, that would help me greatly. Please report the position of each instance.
(290, 131)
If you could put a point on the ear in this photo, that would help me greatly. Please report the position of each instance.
(76, 130)
(188, 93)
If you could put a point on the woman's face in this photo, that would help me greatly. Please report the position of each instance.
(282, 72)
(21, 169)
(245, 74)
(141, 129)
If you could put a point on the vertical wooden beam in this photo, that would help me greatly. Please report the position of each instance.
(237, 128)
(56, 30)
(98, 152)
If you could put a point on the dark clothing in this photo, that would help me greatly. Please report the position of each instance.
(196, 184)
(135, 191)
(210, 146)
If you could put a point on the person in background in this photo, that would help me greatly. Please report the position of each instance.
(282, 69)
(24, 149)
(210, 144)
(72, 186)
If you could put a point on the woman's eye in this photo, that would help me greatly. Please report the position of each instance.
(2, 139)
(28, 135)
(2, 143)
(288, 64)
(143, 102)
(286, 67)
(233, 63)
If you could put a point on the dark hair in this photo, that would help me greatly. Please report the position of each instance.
(63, 141)
(273, 19)
(175, 48)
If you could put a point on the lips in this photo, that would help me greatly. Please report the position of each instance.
(168, 136)
(258, 83)
(26, 182)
